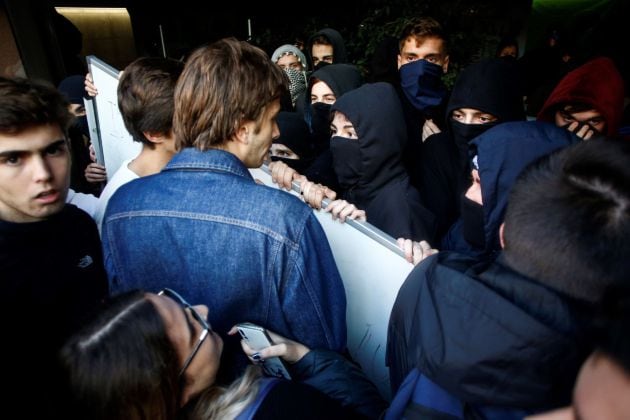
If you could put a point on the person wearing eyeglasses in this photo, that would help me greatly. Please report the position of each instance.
(155, 356)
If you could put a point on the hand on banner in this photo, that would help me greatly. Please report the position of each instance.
(429, 128)
(313, 194)
(95, 173)
(416, 251)
(283, 175)
(342, 210)
(89, 85)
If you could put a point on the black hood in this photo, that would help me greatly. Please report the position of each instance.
(491, 85)
(375, 111)
(335, 38)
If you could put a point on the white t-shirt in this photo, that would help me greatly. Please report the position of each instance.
(121, 177)
(86, 202)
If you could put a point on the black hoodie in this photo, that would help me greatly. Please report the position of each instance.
(383, 189)
(492, 86)
(335, 38)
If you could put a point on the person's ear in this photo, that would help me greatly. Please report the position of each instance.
(399, 61)
(501, 239)
(445, 64)
(242, 133)
(156, 138)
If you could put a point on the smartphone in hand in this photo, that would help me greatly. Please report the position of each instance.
(257, 338)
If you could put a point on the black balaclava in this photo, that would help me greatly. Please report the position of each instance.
(491, 85)
(473, 222)
(339, 47)
(376, 114)
(346, 161)
(294, 135)
(72, 87)
(340, 78)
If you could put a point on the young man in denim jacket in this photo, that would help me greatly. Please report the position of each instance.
(205, 227)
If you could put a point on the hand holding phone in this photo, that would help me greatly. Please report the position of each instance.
(257, 339)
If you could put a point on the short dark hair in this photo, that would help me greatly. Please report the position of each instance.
(223, 85)
(321, 40)
(567, 222)
(421, 28)
(145, 96)
(28, 103)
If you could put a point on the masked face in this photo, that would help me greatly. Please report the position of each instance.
(421, 82)
(346, 160)
(297, 83)
(471, 210)
(465, 133)
(320, 122)
(82, 125)
(473, 222)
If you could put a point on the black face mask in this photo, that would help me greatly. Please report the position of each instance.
(300, 165)
(320, 65)
(82, 124)
(473, 222)
(421, 81)
(346, 155)
(465, 133)
(320, 125)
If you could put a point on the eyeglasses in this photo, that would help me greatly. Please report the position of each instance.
(206, 328)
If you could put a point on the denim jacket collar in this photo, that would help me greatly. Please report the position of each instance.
(213, 160)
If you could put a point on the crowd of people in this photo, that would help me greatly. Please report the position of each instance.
(518, 302)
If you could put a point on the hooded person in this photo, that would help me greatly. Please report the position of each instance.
(293, 145)
(506, 338)
(296, 69)
(500, 155)
(369, 164)
(595, 88)
(333, 48)
(72, 87)
(485, 94)
(331, 81)
(340, 78)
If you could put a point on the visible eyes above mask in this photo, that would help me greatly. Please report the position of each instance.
(345, 131)
(327, 99)
(596, 122)
(294, 66)
(469, 116)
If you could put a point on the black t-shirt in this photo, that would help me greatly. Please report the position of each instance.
(51, 276)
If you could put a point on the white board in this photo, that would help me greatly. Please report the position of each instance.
(113, 142)
(372, 268)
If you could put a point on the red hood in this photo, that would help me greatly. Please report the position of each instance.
(597, 83)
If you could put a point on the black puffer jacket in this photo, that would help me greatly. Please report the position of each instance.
(486, 334)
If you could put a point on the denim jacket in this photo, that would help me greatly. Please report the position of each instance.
(205, 228)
